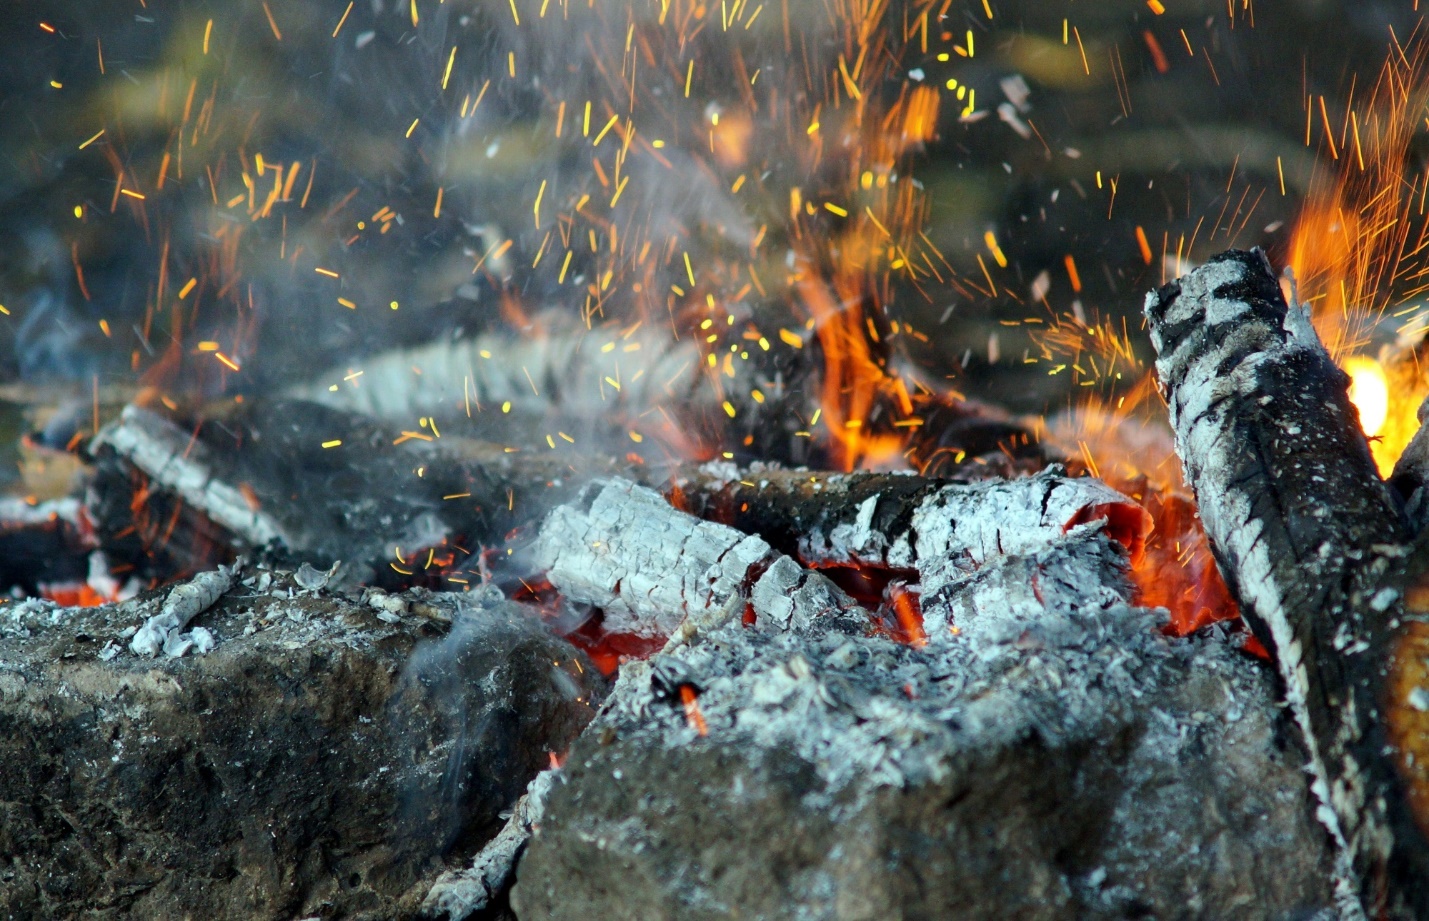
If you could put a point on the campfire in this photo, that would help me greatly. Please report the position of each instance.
(576, 493)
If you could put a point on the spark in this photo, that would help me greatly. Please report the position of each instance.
(338, 28)
(271, 24)
(451, 59)
(93, 139)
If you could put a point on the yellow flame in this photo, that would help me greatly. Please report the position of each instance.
(1369, 391)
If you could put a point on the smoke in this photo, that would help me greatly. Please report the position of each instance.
(472, 714)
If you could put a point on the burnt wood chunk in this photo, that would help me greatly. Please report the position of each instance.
(308, 483)
(1311, 543)
(1056, 758)
(932, 530)
(328, 757)
(658, 571)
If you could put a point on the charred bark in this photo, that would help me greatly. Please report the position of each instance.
(1311, 543)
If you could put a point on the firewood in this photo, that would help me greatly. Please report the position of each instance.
(175, 461)
(937, 531)
(311, 484)
(1316, 552)
(655, 570)
(44, 545)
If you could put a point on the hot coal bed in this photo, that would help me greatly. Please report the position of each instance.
(627, 547)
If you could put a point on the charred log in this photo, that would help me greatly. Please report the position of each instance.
(932, 533)
(311, 484)
(44, 545)
(1313, 546)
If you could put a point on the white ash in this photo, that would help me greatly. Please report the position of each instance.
(1053, 588)
(458, 894)
(183, 604)
(1056, 670)
(22, 617)
(1173, 744)
(651, 567)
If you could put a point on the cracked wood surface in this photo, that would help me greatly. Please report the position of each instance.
(654, 569)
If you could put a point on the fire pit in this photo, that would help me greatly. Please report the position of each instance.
(553, 460)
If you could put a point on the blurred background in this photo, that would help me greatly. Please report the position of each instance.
(207, 201)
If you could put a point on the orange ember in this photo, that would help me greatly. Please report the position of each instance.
(693, 716)
(1176, 570)
(79, 595)
(909, 614)
(1130, 447)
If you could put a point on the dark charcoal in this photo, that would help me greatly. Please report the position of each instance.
(1056, 759)
(267, 779)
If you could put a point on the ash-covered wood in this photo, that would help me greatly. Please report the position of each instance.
(1308, 538)
(330, 757)
(458, 894)
(1055, 758)
(177, 461)
(653, 569)
(44, 545)
(935, 532)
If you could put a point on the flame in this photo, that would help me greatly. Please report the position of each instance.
(1369, 391)
(1356, 251)
(1129, 445)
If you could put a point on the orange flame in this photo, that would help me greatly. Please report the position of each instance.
(1356, 251)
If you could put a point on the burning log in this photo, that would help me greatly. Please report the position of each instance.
(44, 546)
(322, 759)
(938, 529)
(1317, 553)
